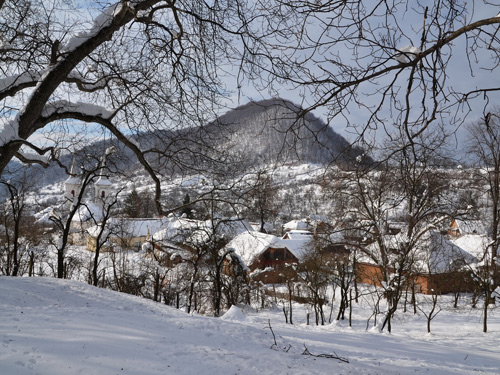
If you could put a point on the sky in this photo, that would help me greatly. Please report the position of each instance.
(459, 73)
(411, 23)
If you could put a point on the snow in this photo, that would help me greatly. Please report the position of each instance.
(249, 245)
(297, 234)
(132, 227)
(470, 226)
(8, 131)
(297, 225)
(103, 181)
(44, 215)
(25, 77)
(35, 157)
(73, 180)
(174, 228)
(88, 211)
(87, 109)
(432, 253)
(407, 54)
(474, 244)
(234, 314)
(101, 21)
(61, 327)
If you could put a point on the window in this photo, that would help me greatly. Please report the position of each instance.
(279, 254)
(102, 194)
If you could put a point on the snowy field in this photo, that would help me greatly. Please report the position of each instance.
(60, 327)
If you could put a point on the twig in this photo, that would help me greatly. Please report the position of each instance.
(274, 337)
(334, 355)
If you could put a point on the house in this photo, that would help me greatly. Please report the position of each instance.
(180, 238)
(296, 234)
(478, 245)
(435, 264)
(315, 224)
(268, 257)
(459, 227)
(124, 233)
(168, 244)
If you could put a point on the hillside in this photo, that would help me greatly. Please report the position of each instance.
(52, 326)
(251, 136)
(274, 130)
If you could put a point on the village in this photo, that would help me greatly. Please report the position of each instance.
(249, 187)
(208, 265)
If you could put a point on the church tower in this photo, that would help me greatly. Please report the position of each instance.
(103, 188)
(72, 188)
(102, 191)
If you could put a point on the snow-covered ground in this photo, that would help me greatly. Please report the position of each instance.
(51, 326)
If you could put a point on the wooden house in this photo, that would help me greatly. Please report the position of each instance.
(268, 258)
(436, 265)
(459, 227)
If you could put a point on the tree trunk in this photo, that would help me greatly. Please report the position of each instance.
(31, 264)
(485, 310)
(94, 268)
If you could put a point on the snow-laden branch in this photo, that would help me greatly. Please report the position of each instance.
(85, 85)
(407, 54)
(13, 84)
(32, 158)
(103, 20)
(9, 131)
(62, 107)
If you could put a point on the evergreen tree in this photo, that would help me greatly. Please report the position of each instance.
(187, 209)
(132, 204)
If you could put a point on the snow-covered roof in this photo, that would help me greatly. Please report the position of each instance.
(103, 181)
(474, 244)
(88, 211)
(232, 227)
(296, 234)
(175, 229)
(72, 180)
(129, 228)
(298, 247)
(470, 226)
(439, 255)
(297, 225)
(432, 254)
(194, 231)
(249, 245)
(44, 215)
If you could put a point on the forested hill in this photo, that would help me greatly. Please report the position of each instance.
(278, 130)
(252, 135)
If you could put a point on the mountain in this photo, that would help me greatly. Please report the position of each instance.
(250, 136)
(276, 130)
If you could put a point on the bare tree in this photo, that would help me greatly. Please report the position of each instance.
(154, 62)
(391, 63)
(262, 195)
(13, 218)
(103, 233)
(484, 146)
(390, 207)
(152, 65)
(63, 217)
